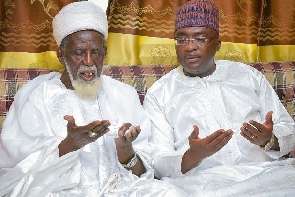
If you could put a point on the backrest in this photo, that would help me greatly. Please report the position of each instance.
(279, 74)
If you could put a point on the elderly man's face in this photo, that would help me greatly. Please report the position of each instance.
(83, 55)
(85, 49)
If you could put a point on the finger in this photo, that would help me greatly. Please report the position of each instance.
(128, 137)
(97, 128)
(132, 133)
(125, 126)
(71, 122)
(138, 129)
(213, 136)
(97, 133)
(268, 118)
(248, 130)
(222, 139)
(123, 129)
(249, 137)
(102, 132)
(98, 125)
(70, 119)
(195, 132)
(255, 126)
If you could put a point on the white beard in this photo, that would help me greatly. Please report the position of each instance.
(85, 89)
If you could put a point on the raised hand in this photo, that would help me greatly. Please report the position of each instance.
(200, 148)
(126, 135)
(79, 136)
(258, 133)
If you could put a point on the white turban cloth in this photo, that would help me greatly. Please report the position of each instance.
(77, 16)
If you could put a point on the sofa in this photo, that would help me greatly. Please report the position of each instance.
(280, 75)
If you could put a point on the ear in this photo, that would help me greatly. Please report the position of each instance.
(60, 57)
(218, 44)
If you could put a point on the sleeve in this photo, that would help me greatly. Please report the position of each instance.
(165, 159)
(284, 126)
(29, 152)
(24, 130)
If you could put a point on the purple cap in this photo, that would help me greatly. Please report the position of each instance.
(198, 13)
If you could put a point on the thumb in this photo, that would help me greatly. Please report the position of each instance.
(195, 133)
(71, 121)
(268, 118)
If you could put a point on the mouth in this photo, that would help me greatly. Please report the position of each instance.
(87, 75)
(192, 58)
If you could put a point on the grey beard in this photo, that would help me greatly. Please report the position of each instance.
(85, 89)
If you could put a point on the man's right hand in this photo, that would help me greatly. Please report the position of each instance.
(200, 148)
(79, 136)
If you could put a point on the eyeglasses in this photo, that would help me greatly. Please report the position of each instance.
(197, 41)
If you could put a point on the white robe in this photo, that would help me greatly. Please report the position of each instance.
(233, 94)
(29, 156)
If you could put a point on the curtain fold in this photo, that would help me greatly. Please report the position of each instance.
(250, 31)
(26, 39)
(141, 32)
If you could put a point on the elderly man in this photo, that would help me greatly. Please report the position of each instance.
(218, 126)
(64, 134)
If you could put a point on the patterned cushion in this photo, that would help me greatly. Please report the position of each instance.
(140, 77)
(279, 74)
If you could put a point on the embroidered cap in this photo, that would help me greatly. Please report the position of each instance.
(77, 16)
(198, 13)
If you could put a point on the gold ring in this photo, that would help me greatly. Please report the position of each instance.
(252, 136)
(92, 134)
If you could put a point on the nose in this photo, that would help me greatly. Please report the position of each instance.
(190, 46)
(88, 59)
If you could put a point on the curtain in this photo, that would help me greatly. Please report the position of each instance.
(141, 32)
(26, 39)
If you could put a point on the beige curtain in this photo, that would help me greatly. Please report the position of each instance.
(141, 32)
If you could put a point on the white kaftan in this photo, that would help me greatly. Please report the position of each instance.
(29, 156)
(233, 94)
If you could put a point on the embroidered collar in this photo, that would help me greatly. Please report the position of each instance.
(218, 75)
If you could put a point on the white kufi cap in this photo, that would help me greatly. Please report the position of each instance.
(77, 16)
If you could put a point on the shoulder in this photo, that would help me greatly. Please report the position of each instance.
(238, 68)
(38, 81)
(107, 80)
(162, 89)
(162, 83)
(32, 87)
(111, 83)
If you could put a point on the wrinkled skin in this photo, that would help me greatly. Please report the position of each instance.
(87, 48)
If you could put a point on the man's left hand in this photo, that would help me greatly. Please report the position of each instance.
(258, 133)
(126, 135)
